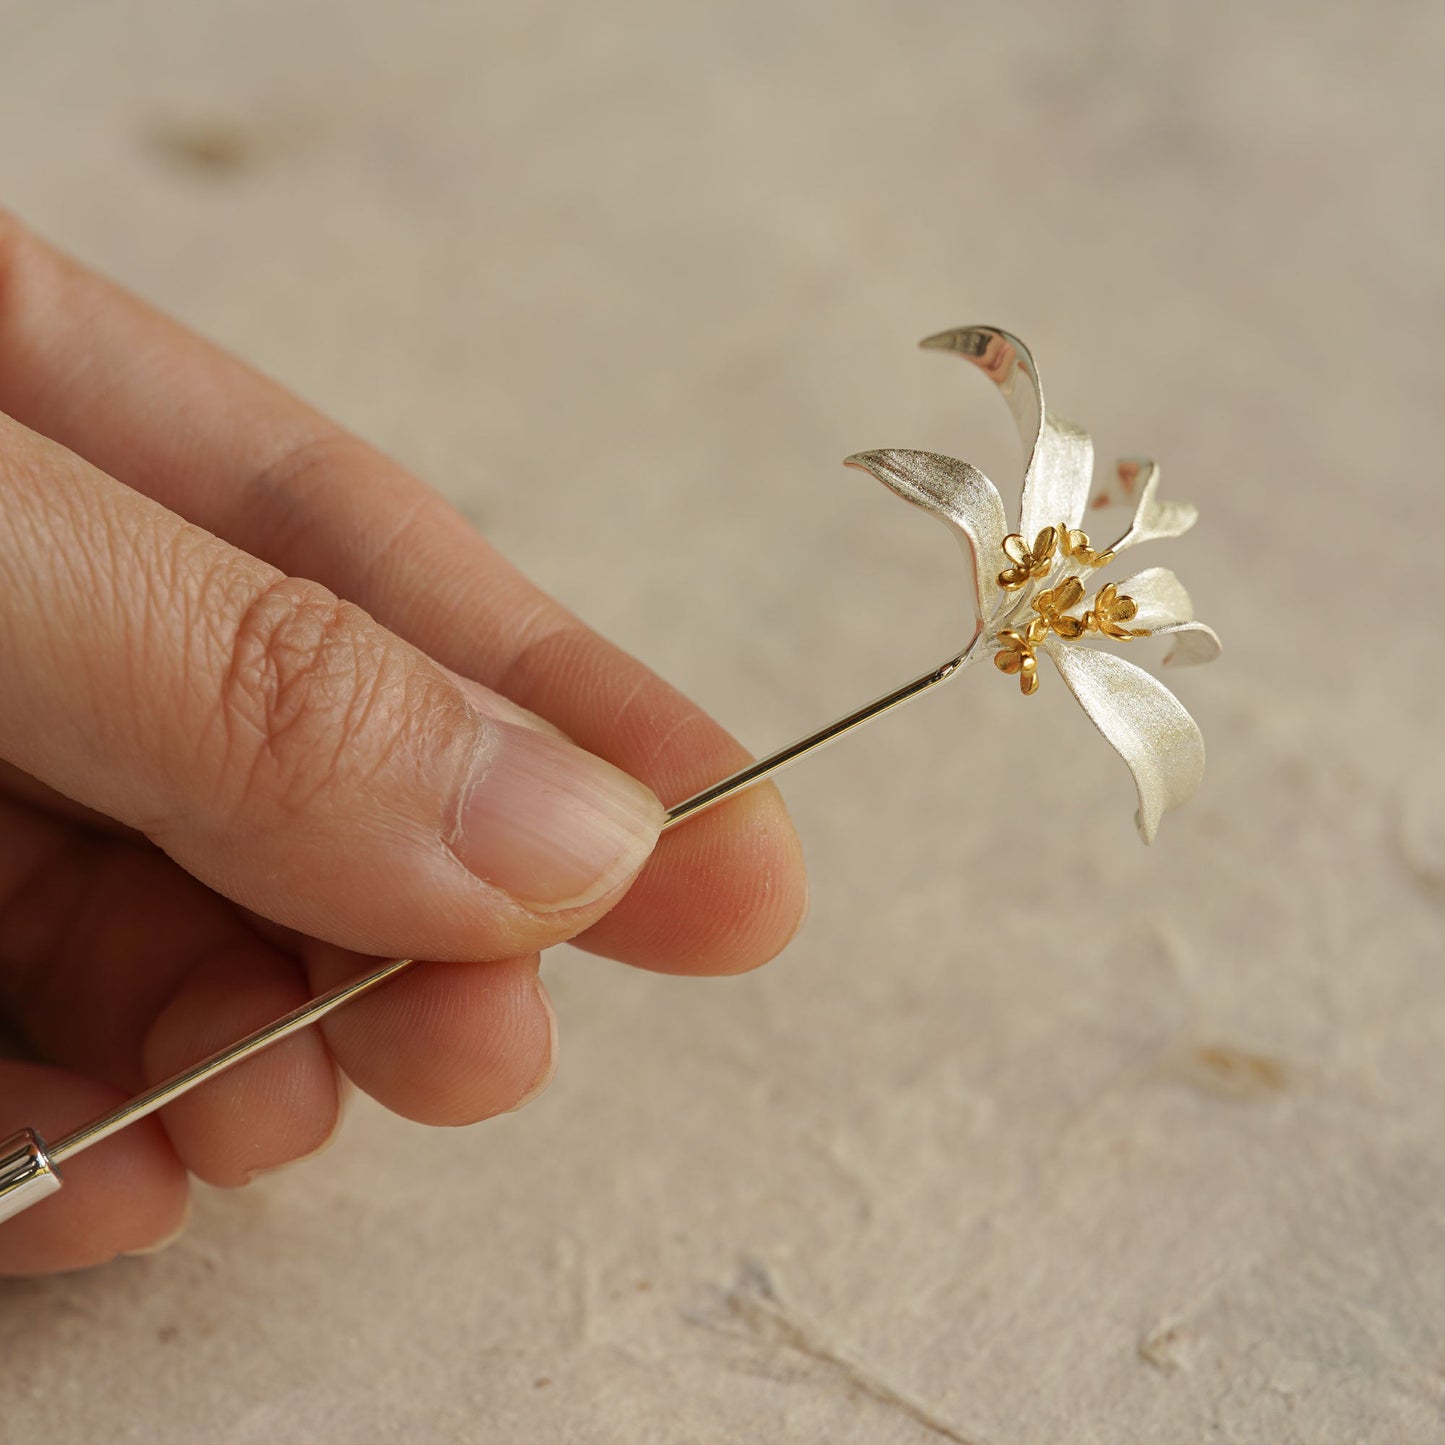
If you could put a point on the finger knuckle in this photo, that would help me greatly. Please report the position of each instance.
(314, 693)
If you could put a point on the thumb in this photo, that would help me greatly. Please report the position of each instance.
(281, 745)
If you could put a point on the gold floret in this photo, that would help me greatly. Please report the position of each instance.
(1028, 562)
(1075, 544)
(1053, 605)
(1110, 612)
(1016, 658)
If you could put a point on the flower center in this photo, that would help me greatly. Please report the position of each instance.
(1053, 606)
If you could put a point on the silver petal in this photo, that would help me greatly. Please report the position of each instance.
(958, 493)
(1060, 455)
(1194, 643)
(1165, 609)
(1144, 721)
(1160, 598)
(1138, 477)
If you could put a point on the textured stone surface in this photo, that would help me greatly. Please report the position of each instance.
(1034, 1134)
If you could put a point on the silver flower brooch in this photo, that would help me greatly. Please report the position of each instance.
(1030, 595)
(1030, 586)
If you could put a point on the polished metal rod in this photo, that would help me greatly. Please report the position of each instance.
(309, 1013)
(776, 762)
(182, 1083)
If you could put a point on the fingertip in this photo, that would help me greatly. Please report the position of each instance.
(165, 1241)
(277, 1108)
(724, 891)
(741, 868)
(448, 1044)
(544, 1079)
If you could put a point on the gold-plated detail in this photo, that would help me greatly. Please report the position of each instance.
(1110, 611)
(1075, 544)
(1028, 562)
(1016, 657)
(1053, 606)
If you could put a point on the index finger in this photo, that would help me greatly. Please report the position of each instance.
(177, 418)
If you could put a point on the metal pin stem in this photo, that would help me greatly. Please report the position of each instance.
(199, 1073)
(182, 1083)
(776, 762)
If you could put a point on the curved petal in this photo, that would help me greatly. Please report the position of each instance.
(1143, 720)
(1160, 597)
(957, 492)
(1061, 456)
(1137, 477)
(1194, 643)
(1165, 609)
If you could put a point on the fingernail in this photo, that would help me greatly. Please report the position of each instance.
(550, 824)
(550, 1071)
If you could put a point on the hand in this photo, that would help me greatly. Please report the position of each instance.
(223, 787)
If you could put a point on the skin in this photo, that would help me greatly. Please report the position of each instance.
(177, 867)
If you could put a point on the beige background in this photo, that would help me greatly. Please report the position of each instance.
(1034, 1134)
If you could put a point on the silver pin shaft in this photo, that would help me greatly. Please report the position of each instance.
(29, 1169)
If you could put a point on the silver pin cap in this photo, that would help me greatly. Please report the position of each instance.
(27, 1174)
